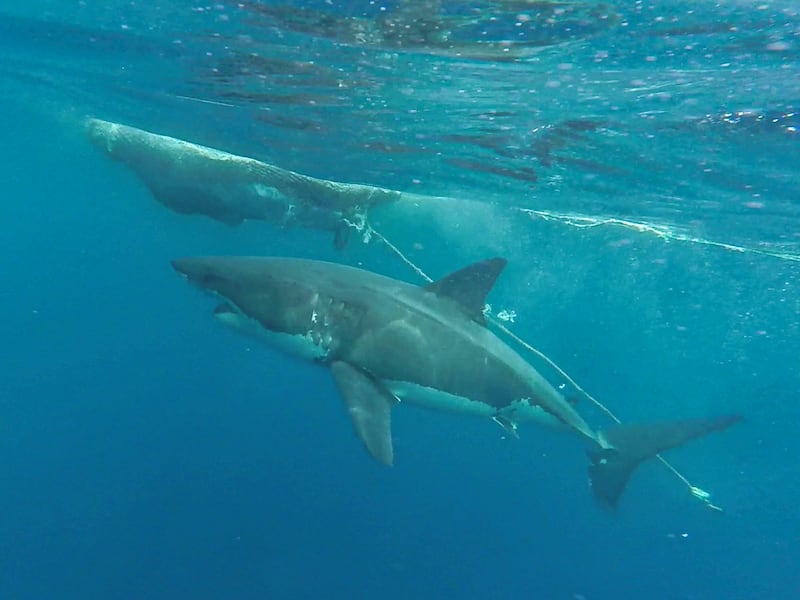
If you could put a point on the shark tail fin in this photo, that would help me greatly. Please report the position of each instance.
(627, 446)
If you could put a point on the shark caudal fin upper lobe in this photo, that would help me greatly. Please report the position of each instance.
(630, 445)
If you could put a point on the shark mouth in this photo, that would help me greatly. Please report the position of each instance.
(225, 308)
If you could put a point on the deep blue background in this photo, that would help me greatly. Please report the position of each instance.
(149, 453)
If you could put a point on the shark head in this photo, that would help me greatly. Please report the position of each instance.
(256, 289)
(265, 298)
(203, 272)
(251, 286)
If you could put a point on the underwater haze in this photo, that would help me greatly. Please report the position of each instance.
(638, 164)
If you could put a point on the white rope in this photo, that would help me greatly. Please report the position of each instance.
(661, 231)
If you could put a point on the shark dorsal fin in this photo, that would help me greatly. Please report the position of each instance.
(470, 286)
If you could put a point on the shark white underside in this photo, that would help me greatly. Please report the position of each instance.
(307, 347)
(311, 348)
(521, 411)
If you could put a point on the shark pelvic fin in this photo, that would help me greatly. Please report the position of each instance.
(369, 407)
(470, 286)
(630, 445)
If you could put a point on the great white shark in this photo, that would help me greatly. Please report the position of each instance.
(387, 342)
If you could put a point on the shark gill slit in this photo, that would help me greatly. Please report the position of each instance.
(695, 491)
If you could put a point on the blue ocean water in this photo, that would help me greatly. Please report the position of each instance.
(151, 453)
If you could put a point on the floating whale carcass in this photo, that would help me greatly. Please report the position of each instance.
(192, 179)
(198, 180)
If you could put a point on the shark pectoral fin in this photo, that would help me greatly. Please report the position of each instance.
(370, 408)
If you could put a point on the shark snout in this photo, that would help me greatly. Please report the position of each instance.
(202, 272)
(190, 268)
